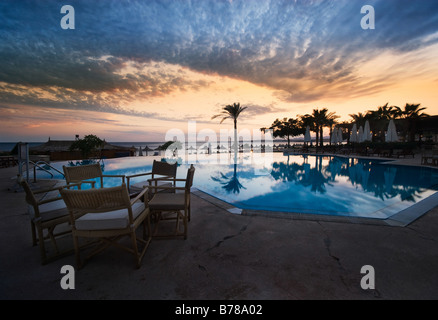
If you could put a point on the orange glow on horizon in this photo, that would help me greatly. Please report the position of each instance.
(202, 95)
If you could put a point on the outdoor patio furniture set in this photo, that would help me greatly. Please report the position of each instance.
(100, 217)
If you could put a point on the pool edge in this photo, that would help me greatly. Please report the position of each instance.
(401, 219)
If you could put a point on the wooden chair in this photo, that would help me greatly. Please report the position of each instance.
(47, 213)
(172, 206)
(87, 172)
(160, 169)
(108, 214)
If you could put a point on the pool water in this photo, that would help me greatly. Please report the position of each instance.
(325, 185)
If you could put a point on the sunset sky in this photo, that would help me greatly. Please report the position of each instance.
(132, 70)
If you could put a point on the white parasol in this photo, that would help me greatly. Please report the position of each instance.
(353, 136)
(307, 137)
(367, 131)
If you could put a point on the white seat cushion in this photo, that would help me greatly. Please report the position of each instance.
(117, 219)
(50, 210)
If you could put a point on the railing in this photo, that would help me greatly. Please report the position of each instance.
(39, 164)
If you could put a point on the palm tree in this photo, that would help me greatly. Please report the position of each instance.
(231, 112)
(414, 111)
(320, 118)
(379, 119)
(359, 118)
(286, 128)
(330, 121)
(347, 128)
(314, 122)
(410, 114)
(307, 120)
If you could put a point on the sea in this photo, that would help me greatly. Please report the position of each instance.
(8, 146)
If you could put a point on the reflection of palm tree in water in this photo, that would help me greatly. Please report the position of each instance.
(315, 178)
(360, 172)
(302, 174)
(230, 184)
(410, 193)
(286, 172)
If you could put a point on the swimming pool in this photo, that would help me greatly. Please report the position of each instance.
(322, 185)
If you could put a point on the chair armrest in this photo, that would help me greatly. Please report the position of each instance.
(168, 188)
(67, 186)
(164, 178)
(138, 175)
(59, 187)
(46, 190)
(139, 196)
(114, 176)
(77, 183)
(128, 178)
(48, 200)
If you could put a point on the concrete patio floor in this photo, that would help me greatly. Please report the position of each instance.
(229, 256)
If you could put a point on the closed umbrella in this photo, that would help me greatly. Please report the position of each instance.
(353, 137)
(307, 138)
(334, 137)
(360, 135)
(367, 131)
(340, 138)
(391, 134)
(140, 153)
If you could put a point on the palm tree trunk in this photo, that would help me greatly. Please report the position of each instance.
(321, 137)
(330, 135)
(317, 136)
(412, 130)
(235, 141)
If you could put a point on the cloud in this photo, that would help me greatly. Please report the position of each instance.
(254, 110)
(304, 50)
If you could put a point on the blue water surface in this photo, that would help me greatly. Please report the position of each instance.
(328, 185)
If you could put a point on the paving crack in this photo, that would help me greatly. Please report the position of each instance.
(327, 244)
(422, 235)
(243, 229)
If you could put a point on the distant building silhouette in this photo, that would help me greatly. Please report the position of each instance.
(60, 150)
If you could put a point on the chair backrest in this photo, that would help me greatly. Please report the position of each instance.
(96, 200)
(189, 179)
(79, 173)
(30, 197)
(164, 169)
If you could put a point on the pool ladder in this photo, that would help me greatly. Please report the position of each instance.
(42, 165)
